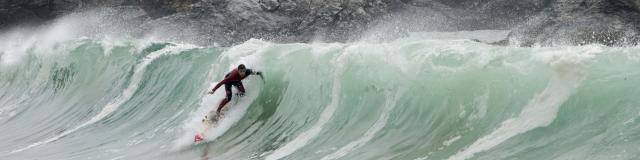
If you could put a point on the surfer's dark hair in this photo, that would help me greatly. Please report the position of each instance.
(241, 66)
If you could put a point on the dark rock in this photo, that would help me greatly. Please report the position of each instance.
(571, 22)
(226, 22)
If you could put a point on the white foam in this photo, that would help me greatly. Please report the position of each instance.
(541, 109)
(450, 141)
(14, 46)
(16, 43)
(118, 101)
(234, 113)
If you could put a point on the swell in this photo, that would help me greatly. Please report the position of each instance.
(406, 99)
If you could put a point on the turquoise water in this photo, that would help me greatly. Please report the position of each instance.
(87, 98)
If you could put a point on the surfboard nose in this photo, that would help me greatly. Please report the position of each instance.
(198, 137)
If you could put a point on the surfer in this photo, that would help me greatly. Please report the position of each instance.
(234, 78)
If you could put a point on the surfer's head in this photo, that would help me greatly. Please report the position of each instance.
(242, 70)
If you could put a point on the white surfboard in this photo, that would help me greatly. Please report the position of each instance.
(211, 120)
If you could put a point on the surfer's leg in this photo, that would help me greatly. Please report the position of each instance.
(227, 88)
(224, 102)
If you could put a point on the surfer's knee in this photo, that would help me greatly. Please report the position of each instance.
(229, 96)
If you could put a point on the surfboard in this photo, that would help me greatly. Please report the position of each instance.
(211, 120)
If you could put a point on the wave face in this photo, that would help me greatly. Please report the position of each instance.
(406, 99)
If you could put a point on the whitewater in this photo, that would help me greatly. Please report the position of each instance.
(424, 97)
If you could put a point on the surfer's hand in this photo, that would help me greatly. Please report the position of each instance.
(261, 77)
(211, 92)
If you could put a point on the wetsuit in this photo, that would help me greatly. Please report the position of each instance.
(232, 78)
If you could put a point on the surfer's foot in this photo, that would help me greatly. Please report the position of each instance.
(206, 118)
(198, 137)
(218, 116)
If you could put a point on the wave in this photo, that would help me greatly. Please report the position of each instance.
(406, 99)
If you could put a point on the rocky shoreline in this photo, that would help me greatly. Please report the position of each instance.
(226, 22)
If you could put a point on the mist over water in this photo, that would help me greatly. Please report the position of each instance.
(435, 95)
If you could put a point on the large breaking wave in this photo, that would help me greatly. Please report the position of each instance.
(413, 98)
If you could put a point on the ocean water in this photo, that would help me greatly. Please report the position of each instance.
(415, 98)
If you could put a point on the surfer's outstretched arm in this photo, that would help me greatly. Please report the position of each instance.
(259, 74)
(218, 85)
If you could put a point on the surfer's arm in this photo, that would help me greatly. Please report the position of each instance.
(253, 72)
(261, 77)
(218, 85)
(257, 73)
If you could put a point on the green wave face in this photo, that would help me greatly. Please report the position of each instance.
(406, 99)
